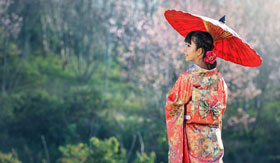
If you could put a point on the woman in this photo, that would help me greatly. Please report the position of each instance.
(195, 106)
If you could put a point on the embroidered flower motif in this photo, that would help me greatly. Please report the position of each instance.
(208, 146)
(174, 112)
(210, 57)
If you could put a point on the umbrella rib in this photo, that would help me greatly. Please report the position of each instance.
(245, 58)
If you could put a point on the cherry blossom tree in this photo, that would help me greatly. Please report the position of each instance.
(10, 26)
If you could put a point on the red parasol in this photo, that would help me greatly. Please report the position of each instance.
(228, 44)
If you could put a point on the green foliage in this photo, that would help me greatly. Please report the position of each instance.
(107, 151)
(143, 158)
(9, 157)
(74, 153)
(48, 102)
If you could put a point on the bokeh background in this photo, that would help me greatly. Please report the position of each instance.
(87, 80)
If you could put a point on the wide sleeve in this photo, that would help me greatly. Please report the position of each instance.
(178, 96)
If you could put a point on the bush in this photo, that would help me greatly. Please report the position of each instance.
(9, 157)
(107, 151)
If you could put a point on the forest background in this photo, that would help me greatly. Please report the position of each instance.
(87, 80)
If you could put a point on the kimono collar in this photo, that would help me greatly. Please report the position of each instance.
(194, 68)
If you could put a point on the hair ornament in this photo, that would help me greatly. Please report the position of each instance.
(210, 57)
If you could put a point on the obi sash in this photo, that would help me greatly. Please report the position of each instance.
(205, 107)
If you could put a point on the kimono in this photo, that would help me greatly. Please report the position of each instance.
(194, 110)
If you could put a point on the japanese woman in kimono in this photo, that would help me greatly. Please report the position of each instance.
(195, 106)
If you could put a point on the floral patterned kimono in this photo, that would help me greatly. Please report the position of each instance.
(194, 110)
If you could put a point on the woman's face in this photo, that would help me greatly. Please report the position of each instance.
(190, 51)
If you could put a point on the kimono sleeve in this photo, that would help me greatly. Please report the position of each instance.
(179, 95)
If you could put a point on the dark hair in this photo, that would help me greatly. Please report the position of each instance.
(202, 40)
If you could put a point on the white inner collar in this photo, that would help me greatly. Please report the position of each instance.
(204, 68)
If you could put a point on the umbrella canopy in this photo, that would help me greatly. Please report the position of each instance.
(228, 45)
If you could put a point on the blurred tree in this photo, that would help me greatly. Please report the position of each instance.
(10, 26)
(79, 30)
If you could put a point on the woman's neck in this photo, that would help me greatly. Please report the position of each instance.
(201, 64)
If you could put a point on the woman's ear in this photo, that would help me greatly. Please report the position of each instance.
(199, 52)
